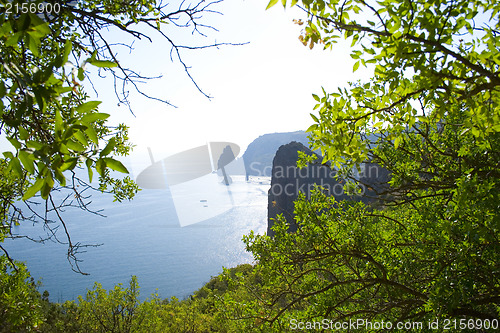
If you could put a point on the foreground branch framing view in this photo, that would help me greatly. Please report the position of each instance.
(414, 248)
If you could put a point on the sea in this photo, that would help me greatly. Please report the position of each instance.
(173, 240)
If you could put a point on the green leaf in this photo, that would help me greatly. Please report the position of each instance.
(6, 29)
(27, 161)
(15, 166)
(8, 154)
(89, 163)
(76, 146)
(103, 63)
(39, 25)
(49, 180)
(59, 176)
(81, 74)
(271, 4)
(355, 67)
(23, 134)
(80, 137)
(92, 117)
(35, 145)
(69, 164)
(45, 191)
(100, 166)
(67, 50)
(115, 165)
(58, 123)
(15, 143)
(14, 39)
(109, 147)
(64, 149)
(33, 189)
(62, 90)
(34, 43)
(69, 132)
(3, 90)
(92, 135)
(86, 107)
(397, 141)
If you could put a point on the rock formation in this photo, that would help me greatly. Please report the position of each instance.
(288, 180)
(258, 157)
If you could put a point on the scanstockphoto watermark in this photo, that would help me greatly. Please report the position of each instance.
(357, 324)
(290, 180)
(367, 170)
(296, 187)
(364, 324)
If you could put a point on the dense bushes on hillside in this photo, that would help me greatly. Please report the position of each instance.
(24, 309)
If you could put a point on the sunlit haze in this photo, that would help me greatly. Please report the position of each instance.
(262, 87)
(265, 86)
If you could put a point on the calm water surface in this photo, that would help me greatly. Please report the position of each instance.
(143, 237)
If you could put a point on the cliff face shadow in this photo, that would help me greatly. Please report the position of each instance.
(288, 181)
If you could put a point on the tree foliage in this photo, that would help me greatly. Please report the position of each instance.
(20, 301)
(48, 57)
(120, 309)
(431, 116)
(431, 60)
(63, 147)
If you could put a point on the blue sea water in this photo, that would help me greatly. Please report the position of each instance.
(143, 237)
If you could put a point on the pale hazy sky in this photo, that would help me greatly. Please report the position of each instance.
(259, 88)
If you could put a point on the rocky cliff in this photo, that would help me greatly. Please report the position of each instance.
(287, 181)
(258, 157)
